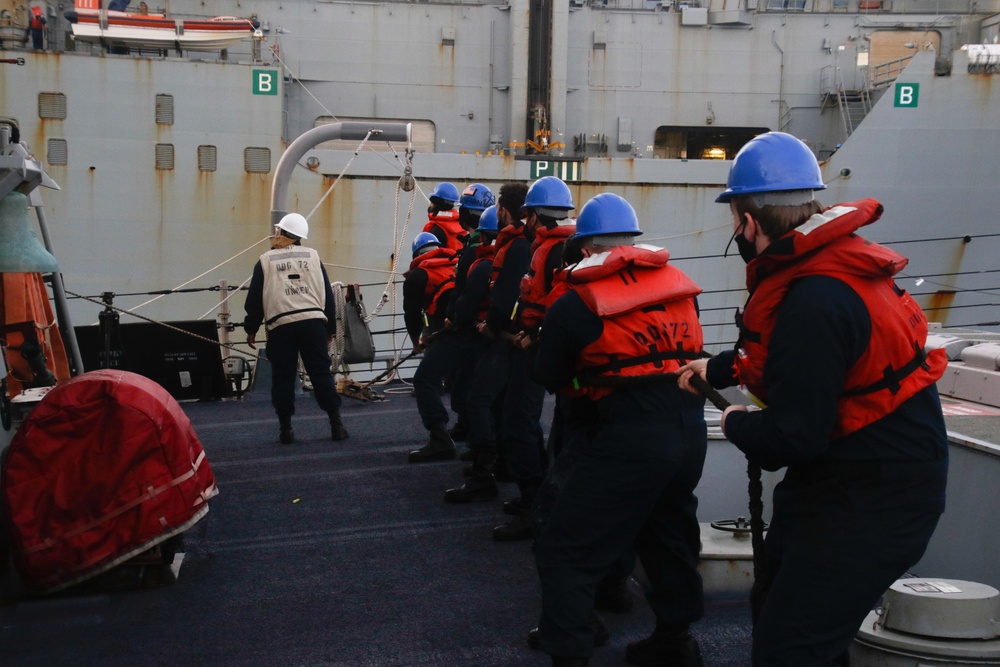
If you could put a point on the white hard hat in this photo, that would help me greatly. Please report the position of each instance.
(295, 223)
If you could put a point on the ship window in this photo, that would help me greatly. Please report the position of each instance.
(257, 160)
(164, 156)
(787, 5)
(164, 109)
(682, 142)
(421, 135)
(52, 105)
(58, 151)
(207, 158)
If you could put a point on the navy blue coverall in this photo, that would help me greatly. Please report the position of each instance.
(452, 348)
(851, 515)
(632, 484)
(286, 343)
(491, 372)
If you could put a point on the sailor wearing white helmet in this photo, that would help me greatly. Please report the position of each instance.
(290, 295)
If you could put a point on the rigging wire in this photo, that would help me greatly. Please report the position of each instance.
(966, 238)
(242, 252)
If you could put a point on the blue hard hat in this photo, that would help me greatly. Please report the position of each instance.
(476, 197)
(548, 192)
(488, 220)
(424, 239)
(446, 191)
(772, 162)
(607, 213)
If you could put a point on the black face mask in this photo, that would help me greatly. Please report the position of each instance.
(748, 250)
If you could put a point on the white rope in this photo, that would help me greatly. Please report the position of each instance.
(338, 343)
(227, 298)
(242, 252)
(727, 225)
(340, 176)
(357, 268)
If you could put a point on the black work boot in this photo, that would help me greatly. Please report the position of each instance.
(514, 506)
(501, 472)
(601, 634)
(612, 595)
(668, 645)
(337, 430)
(520, 527)
(569, 661)
(286, 435)
(481, 485)
(440, 446)
(459, 431)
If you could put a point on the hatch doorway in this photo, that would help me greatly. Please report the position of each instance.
(679, 142)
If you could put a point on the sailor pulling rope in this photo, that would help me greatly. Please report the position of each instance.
(755, 487)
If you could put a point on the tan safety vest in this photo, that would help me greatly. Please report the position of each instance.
(293, 286)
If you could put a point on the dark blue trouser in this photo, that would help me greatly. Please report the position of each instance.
(633, 485)
(831, 553)
(447, 353)
(285, 344)
(487, 383)
(574, 444)
(520, 426)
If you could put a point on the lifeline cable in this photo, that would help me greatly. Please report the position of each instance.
(229, 347)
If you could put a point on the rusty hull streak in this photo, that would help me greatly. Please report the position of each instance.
(941, 300)
(939, 303)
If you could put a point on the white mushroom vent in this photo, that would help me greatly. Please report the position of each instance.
(943, 608)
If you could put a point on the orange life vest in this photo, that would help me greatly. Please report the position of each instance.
(894, 366)
(647, 306)
(536, 294)
(37, 20)
(440, 267)
(447, 221)
(484, 253)
(506, 236)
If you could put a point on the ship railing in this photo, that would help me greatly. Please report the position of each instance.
(884, 74)
(861, 7)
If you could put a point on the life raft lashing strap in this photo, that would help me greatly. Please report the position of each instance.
(892, 378)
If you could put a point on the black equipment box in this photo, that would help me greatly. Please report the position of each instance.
(188, 368)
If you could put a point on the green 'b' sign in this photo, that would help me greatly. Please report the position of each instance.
(906, 95)
(265, 82)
